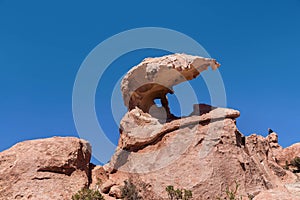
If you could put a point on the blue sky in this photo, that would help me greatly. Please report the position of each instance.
(42, 45)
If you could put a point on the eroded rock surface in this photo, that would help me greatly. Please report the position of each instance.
(54, 168)
(154, 78)
(288, 154)
(203, 152)
(276, 195)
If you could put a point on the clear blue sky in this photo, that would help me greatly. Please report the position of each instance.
(43, 43)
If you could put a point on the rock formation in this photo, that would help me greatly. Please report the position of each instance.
(53, 168)
(154, 78)
(203, 152)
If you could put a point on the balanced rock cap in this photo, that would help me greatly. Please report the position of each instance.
(153, 78)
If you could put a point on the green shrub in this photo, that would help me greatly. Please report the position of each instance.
(129, 191)
(99, 182)
(232, 194)
(187, 194)
(286, 167)
(178, 194)
(296, 163)
(250, 196)
(87, 194)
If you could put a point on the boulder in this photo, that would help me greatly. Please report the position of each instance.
(154, 78)
(285, 156)
(53, 168)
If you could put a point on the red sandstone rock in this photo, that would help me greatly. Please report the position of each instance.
(276, 195)
(53, 168)
(204, 153)
(288, 154)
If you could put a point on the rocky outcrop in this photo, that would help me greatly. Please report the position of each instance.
(288, 154)
(53, 168)
(154, 78)
(135, 136)
(203, 152)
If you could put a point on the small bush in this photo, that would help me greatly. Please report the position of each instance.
(87, 194)
(99, 182)
(129, 191)
(187, 194)
(286, 167)
(233, 194)
(251, 196)
(178, 194)
(296, 163)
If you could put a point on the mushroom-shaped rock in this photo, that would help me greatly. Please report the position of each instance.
(154, 78)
